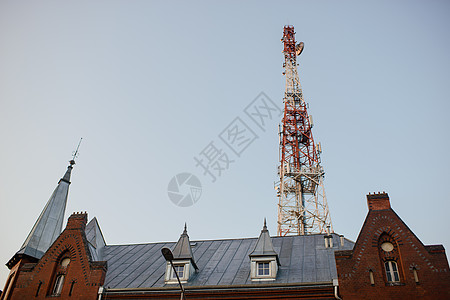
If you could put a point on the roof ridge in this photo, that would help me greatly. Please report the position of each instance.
(225, 239)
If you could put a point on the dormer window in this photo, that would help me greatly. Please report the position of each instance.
(182, 259)
(263, 259)
(263, 268)
(184, 270)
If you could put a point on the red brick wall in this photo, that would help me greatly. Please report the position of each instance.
(324, 292)
(85, 276)
(353, 266)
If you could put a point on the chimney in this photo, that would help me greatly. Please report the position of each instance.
(378, 201)
(77, 220)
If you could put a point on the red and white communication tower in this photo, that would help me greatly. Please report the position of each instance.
(302, 206)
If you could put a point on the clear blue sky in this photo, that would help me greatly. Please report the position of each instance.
(149, 84)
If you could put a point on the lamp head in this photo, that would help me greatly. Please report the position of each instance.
(167, 253)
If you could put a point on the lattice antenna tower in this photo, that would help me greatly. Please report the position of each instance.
(302, 205)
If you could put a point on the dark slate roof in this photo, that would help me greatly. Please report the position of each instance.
(304, 259)
(49, 224)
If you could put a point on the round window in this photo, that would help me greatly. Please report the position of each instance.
(65, 262)
(388, 247)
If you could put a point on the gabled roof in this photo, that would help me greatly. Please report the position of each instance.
(264, 246)
(95, 240)
(182, 249)
(304, 259)
(49, 224)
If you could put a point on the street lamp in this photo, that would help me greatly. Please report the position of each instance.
(169, 257)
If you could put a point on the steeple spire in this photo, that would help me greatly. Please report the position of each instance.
(50, 222)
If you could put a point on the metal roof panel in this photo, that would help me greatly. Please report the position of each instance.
(224, 262)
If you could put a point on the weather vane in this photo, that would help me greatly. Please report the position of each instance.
(75, 153)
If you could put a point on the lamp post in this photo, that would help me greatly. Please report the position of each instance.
(169, 257)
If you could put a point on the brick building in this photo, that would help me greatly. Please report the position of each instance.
(387, 261)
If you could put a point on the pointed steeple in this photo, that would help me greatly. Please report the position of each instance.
(182, 249)
(50, 222)
(264, 246)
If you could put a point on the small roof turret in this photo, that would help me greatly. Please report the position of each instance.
(264, 246)
(182, 249)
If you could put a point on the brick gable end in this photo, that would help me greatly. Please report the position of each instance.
(82, 277)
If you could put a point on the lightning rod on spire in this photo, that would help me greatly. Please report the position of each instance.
(75, 153)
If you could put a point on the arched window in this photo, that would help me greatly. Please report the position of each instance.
(416, 277)
(60, 274)
(390, 258)
(57, 288)
(372, 281)
(391, 271)
(38, 288)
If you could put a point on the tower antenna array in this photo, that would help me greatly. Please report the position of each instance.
(302, 205)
